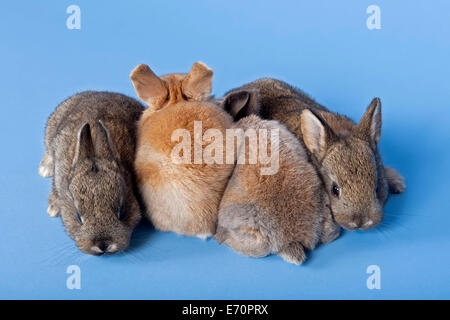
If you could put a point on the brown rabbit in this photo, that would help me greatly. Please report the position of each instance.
(284, 212)
(90, 147)
(346, 154)
(182, 197)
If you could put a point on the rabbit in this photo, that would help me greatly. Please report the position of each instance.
(344, 153)
(181, 196)
(90, 147)
(283, 213)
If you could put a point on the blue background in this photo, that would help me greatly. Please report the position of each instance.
(323, 47)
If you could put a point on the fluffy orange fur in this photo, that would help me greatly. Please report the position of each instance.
(183, 198)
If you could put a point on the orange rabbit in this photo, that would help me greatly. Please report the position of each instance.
(180, 197)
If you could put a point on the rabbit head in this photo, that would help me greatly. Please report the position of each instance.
(158, 92)
(98, 216)
(350, 167)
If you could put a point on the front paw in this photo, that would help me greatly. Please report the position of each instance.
(330, 229)
(330, 235)
(204, 236)
(46, 167)
(53, 211)
(45, 172)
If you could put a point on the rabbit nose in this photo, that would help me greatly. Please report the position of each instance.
(356, 222)
(100, 247)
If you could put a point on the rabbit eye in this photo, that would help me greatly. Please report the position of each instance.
(336, 191)
(79, 217)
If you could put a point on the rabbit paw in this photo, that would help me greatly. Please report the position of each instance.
(204, 236)
(53, 211)
(395, 181)
(330, 230)
(46, 167)
(45, 172)
(293, 253)
(221, 235)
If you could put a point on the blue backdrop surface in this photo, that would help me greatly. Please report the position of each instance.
(323, 47)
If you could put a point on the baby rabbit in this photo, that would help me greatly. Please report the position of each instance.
(346, 154)
(282, 213)
(181, 190)
(90, 148)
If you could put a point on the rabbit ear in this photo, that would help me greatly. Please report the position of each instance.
(241, 103)
(369, 128)
(317, 135)
(104, 147)
(198, 82)
(148, 86)
(84, 148)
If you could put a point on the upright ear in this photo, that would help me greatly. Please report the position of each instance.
(84, 148)
(104, 147)
(369, 128)
(241, 103)
(148, 86)
(198, 82)
(317, 135)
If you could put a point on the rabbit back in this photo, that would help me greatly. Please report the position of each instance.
(181, 197)
(264, 214)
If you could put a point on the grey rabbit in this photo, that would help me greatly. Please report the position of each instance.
(284, 212)
(90, 143)
(344, 153)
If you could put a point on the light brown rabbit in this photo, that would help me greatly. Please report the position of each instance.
(344, 153)
(181, 190)
(281, 212)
